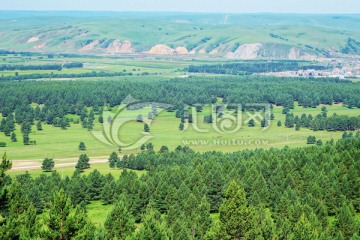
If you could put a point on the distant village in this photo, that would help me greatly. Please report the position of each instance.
(337, 68)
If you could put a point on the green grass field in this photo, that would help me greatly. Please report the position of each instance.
(68, 171)
(59, 144)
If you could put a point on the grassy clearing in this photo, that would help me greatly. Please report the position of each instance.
(68, 171)
(98, 212)
(56, 143)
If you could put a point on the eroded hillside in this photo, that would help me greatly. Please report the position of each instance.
(231, 36)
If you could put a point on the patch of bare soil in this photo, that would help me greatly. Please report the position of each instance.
(246, 51)
(89, 47)
(162, 49)
(202, 51)
(33, 39)
(40, 46)
(118, 46)
(181, 50)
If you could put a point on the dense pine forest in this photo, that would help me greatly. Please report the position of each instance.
(303, 193)
(63, 97)
(255, 67)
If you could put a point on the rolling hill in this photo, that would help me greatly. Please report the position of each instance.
(235, 36)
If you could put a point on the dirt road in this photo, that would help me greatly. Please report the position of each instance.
(21, 165)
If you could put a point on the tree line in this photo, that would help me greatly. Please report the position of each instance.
(34, 76)
(58, 67)
(322, 122)
(253, 67)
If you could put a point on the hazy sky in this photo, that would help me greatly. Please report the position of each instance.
(234, 6)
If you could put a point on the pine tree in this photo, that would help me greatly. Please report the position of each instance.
(181, 126)
(264, 123)
(21, 216)
(201, 219)
(164, 149)
(112, 164)
(190, 119)
(150, 146)
(303, 230)
(234, 213)
(319, 142)
(101, 119)
(26, 139)
(7, 130)
(150, 116)
(39, 126)
(119, 224)
(59, 212)
(146, 128)
(78, 189)
(180, 230)
(251, 123)
(346, 222)
(114, 157)
(13, 137)
(139, 118)
(107, 193)
(82, 146)
(96, 183)
(83, 163)
(64, 222)
(311, 140)
(47, 165)
(152, 228)
(289, 120)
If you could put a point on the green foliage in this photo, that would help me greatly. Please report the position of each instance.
(39, 126)
(47, 165)
(95, 182)
(120, 224)
(26, 138)
(82, 146)
(251, 123)
(146, 128)
(289, 120)
(181, 126)
(346, 223)
(250, 68)
(139, 118)
(299, 193)
(235, 214)
(64, 222)
(152, 227)
(108, 193)
(83, 163)
(164, 149)
(311, 140)
(13, 137)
